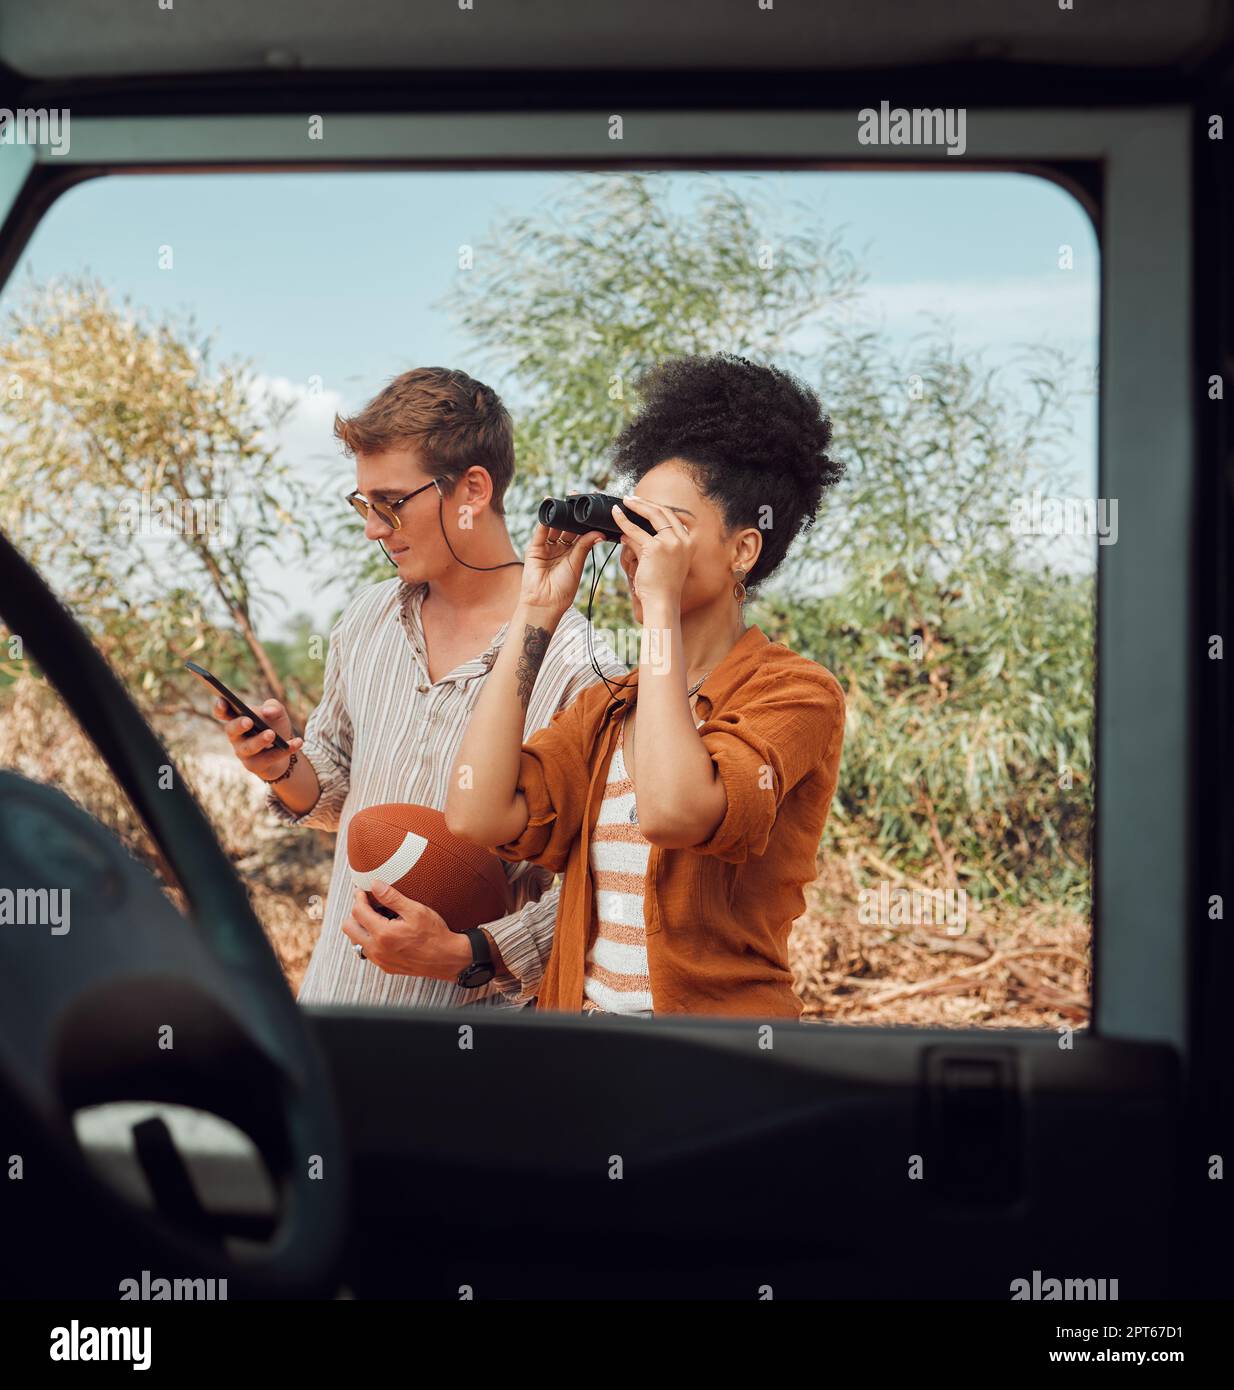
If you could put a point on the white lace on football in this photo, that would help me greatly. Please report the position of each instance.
(403, 858)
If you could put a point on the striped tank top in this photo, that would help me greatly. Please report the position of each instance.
(616, 978)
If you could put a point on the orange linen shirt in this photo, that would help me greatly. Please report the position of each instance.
(718, 915)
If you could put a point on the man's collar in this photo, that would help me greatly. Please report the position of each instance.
(411, 599)
(407, 596)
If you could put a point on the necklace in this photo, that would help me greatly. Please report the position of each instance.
(694, 689)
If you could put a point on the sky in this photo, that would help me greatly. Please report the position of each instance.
(332, 283)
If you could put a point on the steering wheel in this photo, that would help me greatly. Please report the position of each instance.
(112, 995)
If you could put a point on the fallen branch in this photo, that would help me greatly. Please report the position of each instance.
(936, 982)
(1046, 996)
(966, 947)
(968, 972)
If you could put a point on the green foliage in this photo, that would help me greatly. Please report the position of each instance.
(966, 657)
(961, 738)
(575, 302)
(300, 658)
(967, 661)
(117, 428)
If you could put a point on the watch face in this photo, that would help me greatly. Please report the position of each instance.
(478, 973)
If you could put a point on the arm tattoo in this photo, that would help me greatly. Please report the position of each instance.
(535, 644)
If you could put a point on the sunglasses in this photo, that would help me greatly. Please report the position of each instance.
(385, 511)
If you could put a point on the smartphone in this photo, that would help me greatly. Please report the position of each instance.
(238, 707)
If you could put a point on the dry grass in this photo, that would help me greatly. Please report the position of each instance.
(286, 873)
(1013, 967)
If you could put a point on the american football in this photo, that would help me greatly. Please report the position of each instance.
(410, 848)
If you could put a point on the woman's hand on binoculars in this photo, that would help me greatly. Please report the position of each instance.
(553, 565)
(662, 561)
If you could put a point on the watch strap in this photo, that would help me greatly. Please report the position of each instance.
(481, 970)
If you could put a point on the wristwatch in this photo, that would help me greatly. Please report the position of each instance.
(481, 970)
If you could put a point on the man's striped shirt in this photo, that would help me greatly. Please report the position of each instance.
(386, 732)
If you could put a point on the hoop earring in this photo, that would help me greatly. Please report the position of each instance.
(739, 589)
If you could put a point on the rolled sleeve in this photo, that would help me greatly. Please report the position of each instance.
(525, 940)
(778, 735)
(334, 779)
(327, 746)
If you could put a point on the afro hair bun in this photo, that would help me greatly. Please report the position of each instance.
(755, 437)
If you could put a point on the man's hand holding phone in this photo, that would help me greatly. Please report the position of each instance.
(262, 740)
(254, 748)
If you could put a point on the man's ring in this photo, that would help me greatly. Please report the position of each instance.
(359, 950)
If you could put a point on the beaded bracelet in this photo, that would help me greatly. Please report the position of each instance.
(282, 777)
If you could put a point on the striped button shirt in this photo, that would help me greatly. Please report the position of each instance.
(386, 732)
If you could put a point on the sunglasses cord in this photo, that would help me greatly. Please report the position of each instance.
(441, 521)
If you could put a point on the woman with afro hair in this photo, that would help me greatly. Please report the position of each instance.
(683, 805)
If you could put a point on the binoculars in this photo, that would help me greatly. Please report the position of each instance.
(588, 511)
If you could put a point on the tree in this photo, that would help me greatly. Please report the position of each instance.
(138, 476)
(967, 659)
(575, 302)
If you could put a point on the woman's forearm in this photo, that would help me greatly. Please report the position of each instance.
(483, 803)
(680, 798)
